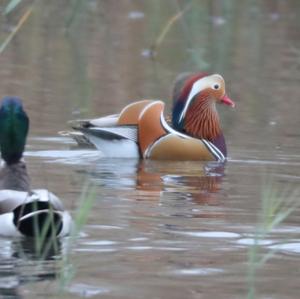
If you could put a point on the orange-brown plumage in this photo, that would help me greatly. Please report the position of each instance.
(142, 128)
(202, 119)
(131, 113)
(149, 125)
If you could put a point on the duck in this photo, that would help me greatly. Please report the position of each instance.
(24, 211)
(141, 129)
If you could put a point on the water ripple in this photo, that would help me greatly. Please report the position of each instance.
(288, 247)
(250, 241)
(100, 243)
(67, 156)
(87, 291)
(264, 162)
(226, 235)
(198, 271)
(101, 250)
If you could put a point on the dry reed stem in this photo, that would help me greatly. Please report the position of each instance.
(166, 29)
(22, 20)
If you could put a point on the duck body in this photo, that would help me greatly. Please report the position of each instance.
(142, 131)
(23, 211)
(20, 209)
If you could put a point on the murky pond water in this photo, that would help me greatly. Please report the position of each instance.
(159, 230)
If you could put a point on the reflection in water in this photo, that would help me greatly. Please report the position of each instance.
(21, 262)
(161, 222)
(197, 181)
(31, 249)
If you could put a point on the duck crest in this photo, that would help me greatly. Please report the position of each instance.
(14, 125)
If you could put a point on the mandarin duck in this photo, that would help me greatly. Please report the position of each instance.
(24, 211)
(141, 129)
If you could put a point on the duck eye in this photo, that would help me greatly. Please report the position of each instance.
(216, 86)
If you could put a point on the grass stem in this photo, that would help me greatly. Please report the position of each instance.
(21, 22)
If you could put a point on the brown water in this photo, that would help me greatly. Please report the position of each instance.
(159, 230)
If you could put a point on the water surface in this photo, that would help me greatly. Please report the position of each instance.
(167, 229)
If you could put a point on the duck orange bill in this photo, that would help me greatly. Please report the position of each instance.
(227, 101)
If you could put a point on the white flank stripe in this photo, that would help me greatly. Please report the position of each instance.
(215, 151)
(218, 151)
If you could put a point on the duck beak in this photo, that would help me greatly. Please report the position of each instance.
(227, 101)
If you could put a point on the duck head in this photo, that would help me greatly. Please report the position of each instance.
(14, 125)
(195, 99)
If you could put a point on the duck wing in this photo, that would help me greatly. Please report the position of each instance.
(116, 141)
(107, 127)
(10, 199)
(109, 120)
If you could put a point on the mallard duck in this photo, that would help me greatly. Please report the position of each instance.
(141, 129)
(23, 211)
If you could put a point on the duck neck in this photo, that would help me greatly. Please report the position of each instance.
(202, 119)
(15, 177)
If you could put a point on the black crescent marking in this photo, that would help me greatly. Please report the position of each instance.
(28, 226)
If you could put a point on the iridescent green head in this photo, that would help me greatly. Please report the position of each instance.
(14, 125)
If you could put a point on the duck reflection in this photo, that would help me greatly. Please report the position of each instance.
(24, 261)
(196, 181)
(31, 249)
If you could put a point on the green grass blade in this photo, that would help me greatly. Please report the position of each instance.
(266, 257)
(11, 6)
(77, 6)
(88, 197)
(277, 206)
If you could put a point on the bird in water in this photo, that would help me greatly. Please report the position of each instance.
(141, 129)
(24, 211)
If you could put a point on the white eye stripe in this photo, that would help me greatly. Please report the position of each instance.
(197, 87)
(200, 85)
